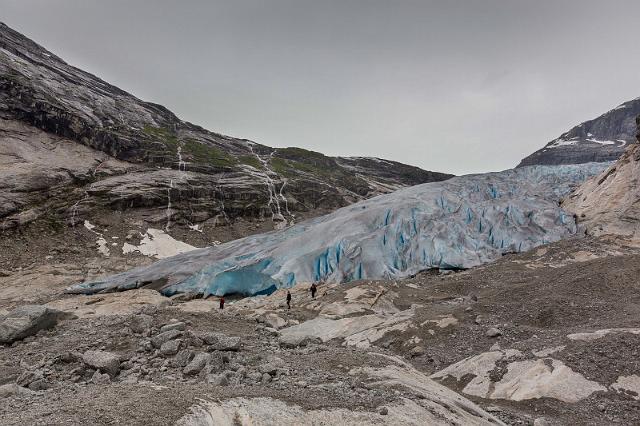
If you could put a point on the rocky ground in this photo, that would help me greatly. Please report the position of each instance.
(550, 335)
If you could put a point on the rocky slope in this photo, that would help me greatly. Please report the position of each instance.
(610, 202)
(602, 139)
(73, 147)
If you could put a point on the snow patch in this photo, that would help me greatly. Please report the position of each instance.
(562, 142)
(196, 227)
(156, 243)
(103, 249)
(601, 142)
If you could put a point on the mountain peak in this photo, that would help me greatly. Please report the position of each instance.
(601, 139)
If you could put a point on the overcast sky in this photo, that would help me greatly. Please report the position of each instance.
(454, 86)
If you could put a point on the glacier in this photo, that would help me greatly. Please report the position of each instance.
(460, 223)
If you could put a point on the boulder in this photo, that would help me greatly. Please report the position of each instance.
(292, 340)
(170, 348)
(140, 323)
(100, 379)
(417, 351)
(39, 385)
(221, 342)
(182, 358)
(107, 362)
(178, 325)
(254, 376)
(274, 321)
(161, 338)
(28, 377)
(271, 367)
(493, 332)
(221, 379)
(27, 320)
(196, 365)
(13, 389)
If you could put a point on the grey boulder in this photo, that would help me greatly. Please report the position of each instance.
(196, 365)
(157, 341)
(27, 320)
(170, 348)
(107, 362)
(13, 389)
(221, 342)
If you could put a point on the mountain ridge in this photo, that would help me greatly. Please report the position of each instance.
(175, 171)
(601, 139)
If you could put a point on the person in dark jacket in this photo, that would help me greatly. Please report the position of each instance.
(288, 299)
(313, 289)
(221, 302)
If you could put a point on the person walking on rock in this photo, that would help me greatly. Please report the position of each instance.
(288, 299)
(313, 290)
(221, 302)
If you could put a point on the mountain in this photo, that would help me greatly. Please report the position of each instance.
(602, 139)
(73, 147)
(610, 202)
(463, 222)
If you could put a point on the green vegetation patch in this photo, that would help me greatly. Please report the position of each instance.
(192, 150)
(300, 154)
(207, 154)
(165, 136)
(251, 160)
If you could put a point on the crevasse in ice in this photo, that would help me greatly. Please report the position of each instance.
(459, 223)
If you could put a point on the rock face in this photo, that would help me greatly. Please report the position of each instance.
(26, 321)
(460, 223)
(526, 379)
(72, 144)
(602, 139)
(609, 203)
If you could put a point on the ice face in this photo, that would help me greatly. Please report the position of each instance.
(456, 224)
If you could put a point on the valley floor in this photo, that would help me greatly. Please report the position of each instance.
(551, 336)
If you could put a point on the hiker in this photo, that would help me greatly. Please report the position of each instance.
(313, 290)
(288, 299)
(221, 302)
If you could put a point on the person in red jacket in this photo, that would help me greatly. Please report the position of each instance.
(221, 302)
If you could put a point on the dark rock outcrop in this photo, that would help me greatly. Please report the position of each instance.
(72, 144)
(602, 139)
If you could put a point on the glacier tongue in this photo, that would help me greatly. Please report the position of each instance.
(459, 223)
